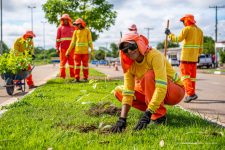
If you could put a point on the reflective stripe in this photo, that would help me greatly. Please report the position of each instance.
(192, 46)
(71, 66)
(160, 83)
(57, 40)
(175, 77)
(66, 38)
(128, 92)
(185, 77)
(81, 44)
(77, 67)
(193, 79)
(62, 67)
(85, 67)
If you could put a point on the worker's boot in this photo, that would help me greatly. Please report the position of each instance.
(190, 98)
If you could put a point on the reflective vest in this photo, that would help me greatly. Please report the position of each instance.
(64, 36)
(21, 45)
(192, 37)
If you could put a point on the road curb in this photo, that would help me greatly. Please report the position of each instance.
(203, 116)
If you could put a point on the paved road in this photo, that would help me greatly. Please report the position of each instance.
(210, 90)
(40, 75)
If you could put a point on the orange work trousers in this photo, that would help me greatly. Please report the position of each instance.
(144, 90)
(81, 58)
(29, 79)
(188, 76)
(63, 60)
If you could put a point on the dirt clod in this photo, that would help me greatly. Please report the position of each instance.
(104, 108)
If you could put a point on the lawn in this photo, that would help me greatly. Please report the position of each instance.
(58, 116)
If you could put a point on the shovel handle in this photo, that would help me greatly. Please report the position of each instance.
(166, 40)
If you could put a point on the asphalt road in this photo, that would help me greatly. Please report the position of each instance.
(40, 75)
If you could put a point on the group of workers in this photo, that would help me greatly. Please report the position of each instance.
(150, 81)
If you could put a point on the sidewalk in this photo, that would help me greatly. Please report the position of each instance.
(40, 75)
(210, 89)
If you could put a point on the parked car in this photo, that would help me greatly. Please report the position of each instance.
(174, 62)
(204, 61)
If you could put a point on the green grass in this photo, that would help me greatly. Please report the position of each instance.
(52, 115)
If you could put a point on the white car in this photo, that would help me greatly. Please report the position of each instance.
(174, 62)
(204, 61)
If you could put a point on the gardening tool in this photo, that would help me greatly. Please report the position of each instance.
(166, 40)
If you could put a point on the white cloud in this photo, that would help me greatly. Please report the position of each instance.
(144, 13)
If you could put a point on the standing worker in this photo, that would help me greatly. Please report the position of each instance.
(192, 47)
(81, 40)
(21, 46)
(149, 83)
(63, 39)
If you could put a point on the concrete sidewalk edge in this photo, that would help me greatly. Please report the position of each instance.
(204, 117)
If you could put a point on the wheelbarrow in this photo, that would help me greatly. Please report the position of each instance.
(12, 80)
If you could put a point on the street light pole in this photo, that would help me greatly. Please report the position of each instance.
(1, 44)
(44, 37)
(148, 31)
(31, 9)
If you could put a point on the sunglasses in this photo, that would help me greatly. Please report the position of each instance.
(131, 46)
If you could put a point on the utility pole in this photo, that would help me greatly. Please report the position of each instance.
(31, 9)
(216, 19)
(44, 38)
(148, 31)
(1, 44)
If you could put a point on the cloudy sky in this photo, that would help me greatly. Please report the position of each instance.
(144, 13)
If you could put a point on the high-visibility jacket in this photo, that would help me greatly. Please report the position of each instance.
(163, 71)
(21, 45)
(64, 36)
(81, 40)
(193, 43)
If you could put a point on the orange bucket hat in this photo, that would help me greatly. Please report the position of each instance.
(133, 27)
(142, 43)
(29, 34)
(66, 16)
(189, 17)
(80, 21)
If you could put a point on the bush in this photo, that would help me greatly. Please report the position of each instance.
(9, 63)
(222, 56)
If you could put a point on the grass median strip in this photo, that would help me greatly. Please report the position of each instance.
(67, 115)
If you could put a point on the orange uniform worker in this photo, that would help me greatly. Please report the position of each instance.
(149, 82)
(81, 40)
(192, 47)
(22, 45)
(133, 27)
(63, 39)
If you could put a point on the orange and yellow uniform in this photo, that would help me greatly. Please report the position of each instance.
(150, 84)
(81, 40)
(63, 39)
(19, 48)
(192, 37)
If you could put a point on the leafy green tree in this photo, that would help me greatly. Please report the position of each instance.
(5, 48)
(209, 45)
(115, 50)
(97, 14)
(160, 45)
(100, 54)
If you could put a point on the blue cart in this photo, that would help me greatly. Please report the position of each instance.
(12, 80)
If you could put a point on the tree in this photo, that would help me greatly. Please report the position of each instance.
(160, 45)
(97, 14)
(115, 50)
(5, 48)
(209, 45)
(100, 54)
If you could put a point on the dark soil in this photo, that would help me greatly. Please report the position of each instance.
(103, 108)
